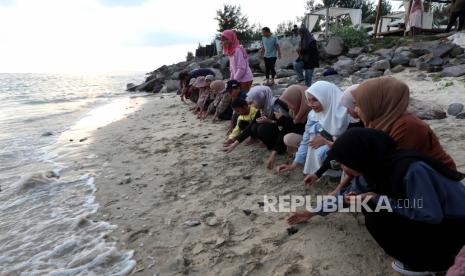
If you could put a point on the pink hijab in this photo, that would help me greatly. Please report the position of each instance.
(232, 37)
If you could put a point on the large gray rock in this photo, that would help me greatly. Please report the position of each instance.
(355, 52)
(223, 63)
(288, 46)
(218, 74)
(254, 62)
(344, 64)
(443, 49)
(397, 69)
(385, 53)
(460, 116)
(335, 46)
(428, 61)
(172, 85)
(455, 109)
(131, 87)
(381, 65)
(400, 59)
(454, 71)
(336, 79)
(456, 51)
(284, 73)
(426, 110)
(153, 85)
(365, 61)
(208, 63)
(364, 73)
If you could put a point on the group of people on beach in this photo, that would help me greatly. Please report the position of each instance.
(363, 136)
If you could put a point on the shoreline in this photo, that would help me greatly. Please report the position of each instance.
(163, 167)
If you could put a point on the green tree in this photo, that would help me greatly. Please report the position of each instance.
(231, 17)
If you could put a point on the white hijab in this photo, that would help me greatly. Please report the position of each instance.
(334, 117)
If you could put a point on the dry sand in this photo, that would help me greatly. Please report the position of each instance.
(161, 167)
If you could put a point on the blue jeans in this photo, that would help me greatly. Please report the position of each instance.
(299, 69)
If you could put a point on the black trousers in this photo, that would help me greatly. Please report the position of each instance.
(270, 67)
(267, 133)
(453, 17)
(421, 246)
(227, 114)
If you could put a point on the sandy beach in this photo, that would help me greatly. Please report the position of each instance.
(162, 167)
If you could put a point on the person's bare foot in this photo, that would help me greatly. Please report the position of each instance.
(271, 83)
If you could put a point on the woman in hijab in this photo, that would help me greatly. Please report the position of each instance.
(217, 89)
(327, 118)
(382, 104)
(271, 123)
(294, 97)
(308, 56)
(238, 60)
(423, 235)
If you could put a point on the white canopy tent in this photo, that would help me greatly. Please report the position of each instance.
(354, 14)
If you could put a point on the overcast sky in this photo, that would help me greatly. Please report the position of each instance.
(116, 35)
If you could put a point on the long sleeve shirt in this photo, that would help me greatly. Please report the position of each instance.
(310, 128)
(243, 118)
(440, 197)
(239, 67)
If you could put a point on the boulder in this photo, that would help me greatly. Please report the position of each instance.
(426, 110)
(413, 62)
(454, 71)
(344, 64)
(288, 46)
(397, 69)
(208, 63)
(400, 59)
(456, 51)
(455, 109)
(368, 74)
(131, 87)
(192, 66)
(335, 46)
(420, 77)
(285, 73)
(223, 63)
(355, 52)
(388, 72)
(153, 85)
(443, 49)
(381, 65)
(254, 62)
(460, 116)
(218, 74)
(172, 85)
(336, 79)
(385, 53)
(365, 61)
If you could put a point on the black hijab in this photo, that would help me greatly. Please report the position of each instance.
(373, 153)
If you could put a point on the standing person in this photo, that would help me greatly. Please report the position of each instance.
(238, 60)
(295, 30)
(457, 11)
(308, 56)
(271, 52)
(415, 17)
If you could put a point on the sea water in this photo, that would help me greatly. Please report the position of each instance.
(47, 181)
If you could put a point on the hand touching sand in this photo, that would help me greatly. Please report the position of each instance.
(300, 217)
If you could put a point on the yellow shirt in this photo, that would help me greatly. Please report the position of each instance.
(247, 118)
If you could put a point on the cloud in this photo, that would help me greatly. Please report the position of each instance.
(121, 3)
(7, 3)
(167, 38)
